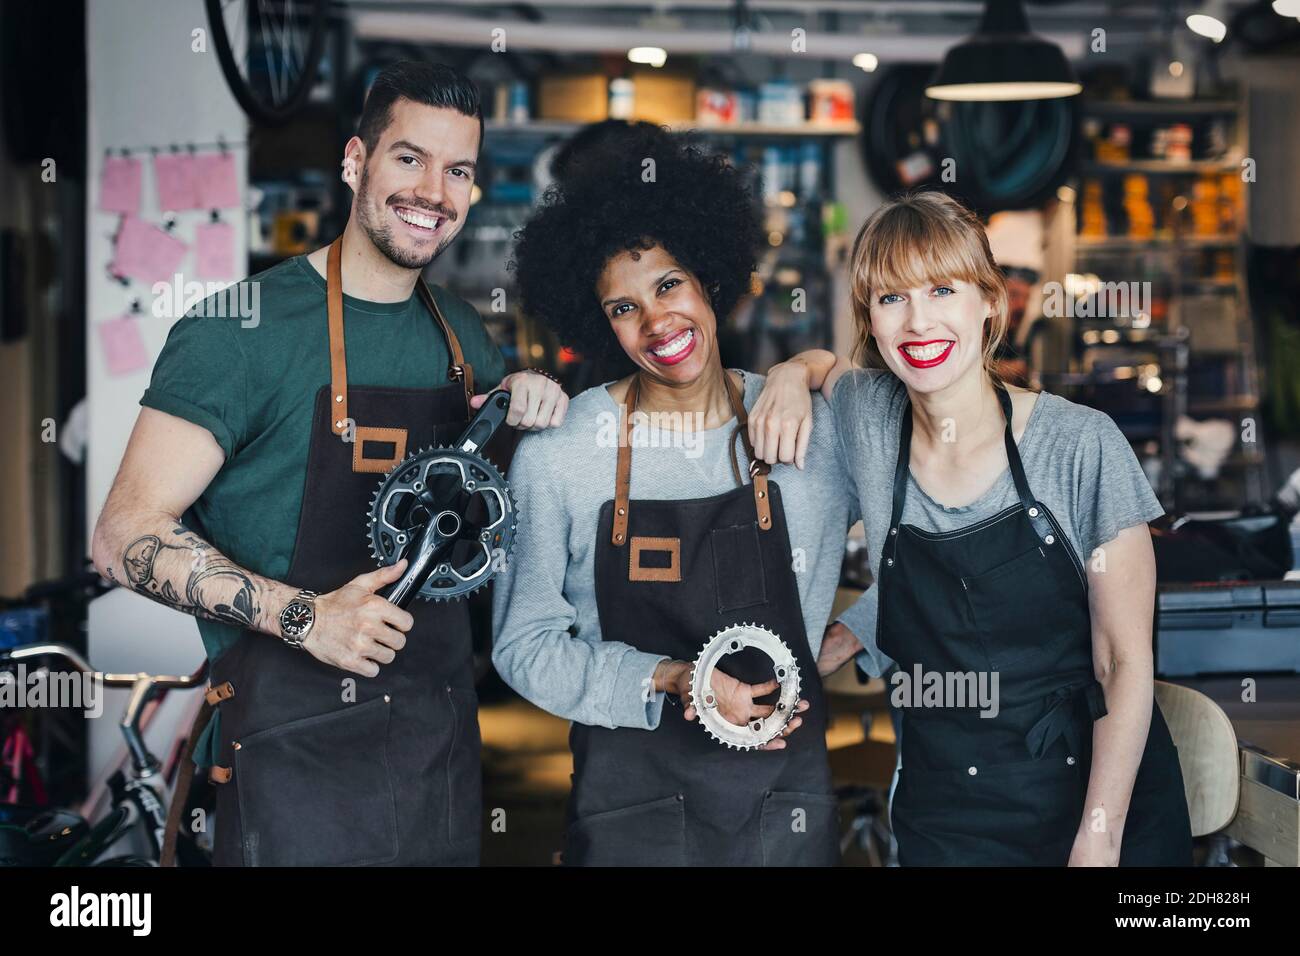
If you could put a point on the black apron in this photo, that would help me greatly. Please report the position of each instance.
(1007, 595)
(669, 575)
(389, 774)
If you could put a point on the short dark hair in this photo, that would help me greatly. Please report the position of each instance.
(432, 84)
(699, 207)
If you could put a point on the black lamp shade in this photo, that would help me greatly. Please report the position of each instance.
(1003, 61)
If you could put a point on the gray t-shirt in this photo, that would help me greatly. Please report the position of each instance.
(1076, 460)
(547, 639)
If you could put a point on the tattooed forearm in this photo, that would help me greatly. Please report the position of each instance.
(178, 568)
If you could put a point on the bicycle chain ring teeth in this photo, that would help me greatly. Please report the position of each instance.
(732, 640)
(427, 483)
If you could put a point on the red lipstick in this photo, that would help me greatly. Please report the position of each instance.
(931, 360)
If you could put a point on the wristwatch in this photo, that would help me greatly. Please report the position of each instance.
(297, 618)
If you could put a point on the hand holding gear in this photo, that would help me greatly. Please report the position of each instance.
(726, 705)
(448, 511)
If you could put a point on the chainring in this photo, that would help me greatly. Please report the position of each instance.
(732, 640)
(437, 479)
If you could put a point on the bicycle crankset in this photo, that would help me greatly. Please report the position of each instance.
(733, 640)
(448, 511)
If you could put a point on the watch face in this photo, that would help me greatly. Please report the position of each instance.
(295, 619)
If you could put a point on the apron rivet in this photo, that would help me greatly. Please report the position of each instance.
(338, 398)
(889, 562)
(237, 745)
(762, 494)
(1050, 539)
(1033, 512)
(622, 511)
(618, 537)
(1070, 761)
(972, 771)
(338, 424)
(387, 698)
(893, 531)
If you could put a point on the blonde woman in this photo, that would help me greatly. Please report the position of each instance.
(1015, 579)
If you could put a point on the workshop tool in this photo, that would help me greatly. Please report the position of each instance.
(733, 640)
(448, 511)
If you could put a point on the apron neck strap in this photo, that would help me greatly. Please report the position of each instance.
(459, 370)
(902, 470)
(1013, 453)
(758, 470)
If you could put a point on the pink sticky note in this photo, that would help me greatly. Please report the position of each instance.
(119, 185)
(145, 252)
(123, 345)
(214, 248)
(175, 176)
(217, 180)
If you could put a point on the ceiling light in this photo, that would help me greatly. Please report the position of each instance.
(1208, 21)
(866, 61)
(1004, 61)
(650, 55)
(1287, 8)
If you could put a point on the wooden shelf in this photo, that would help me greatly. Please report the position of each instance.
(563, 127)
(1159, 167)
(1123, 243)
(1159, 109)
(1232, 403)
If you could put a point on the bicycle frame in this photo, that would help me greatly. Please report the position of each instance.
(143, 789)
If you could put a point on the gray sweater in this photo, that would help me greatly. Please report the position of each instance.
(547, 643)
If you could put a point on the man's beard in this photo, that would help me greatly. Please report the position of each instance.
(381, 234)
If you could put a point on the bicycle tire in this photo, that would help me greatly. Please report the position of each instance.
(247, 98)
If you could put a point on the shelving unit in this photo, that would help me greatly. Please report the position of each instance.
(764, 130)
(1204, 365)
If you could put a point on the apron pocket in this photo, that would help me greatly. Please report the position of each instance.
(464, 779)
(1017, 814)
(1016, 607)
(648, 834)
(317, 791)
(800, 829)
(738, 567)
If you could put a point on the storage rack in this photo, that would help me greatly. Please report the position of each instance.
(1199, 378)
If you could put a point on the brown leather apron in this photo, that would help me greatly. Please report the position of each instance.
(319, 766)
(669, 575)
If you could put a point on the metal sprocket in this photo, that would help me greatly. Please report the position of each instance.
(445, 479)
(732, 640)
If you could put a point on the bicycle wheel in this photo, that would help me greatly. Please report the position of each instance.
(1007, 155)
(269, 52)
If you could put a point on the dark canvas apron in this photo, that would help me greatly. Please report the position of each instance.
(312, 780)
(1007, 594)
(669, 575)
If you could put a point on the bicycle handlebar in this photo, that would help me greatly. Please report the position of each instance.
(144, 688)
(159, 681)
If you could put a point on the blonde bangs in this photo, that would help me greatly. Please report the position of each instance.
(918, 240)
(905, 251)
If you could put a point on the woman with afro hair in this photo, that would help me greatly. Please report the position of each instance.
(648, 527)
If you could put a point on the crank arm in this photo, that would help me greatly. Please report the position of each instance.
(491, 416)
(435, 540)
(424, 554)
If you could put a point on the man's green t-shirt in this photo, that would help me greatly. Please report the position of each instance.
(252, 383)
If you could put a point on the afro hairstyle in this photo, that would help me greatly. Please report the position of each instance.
(697, 206)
